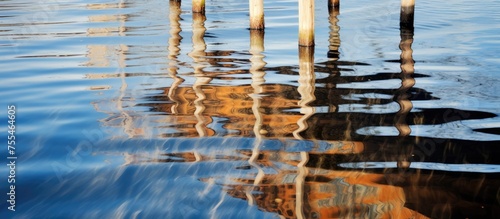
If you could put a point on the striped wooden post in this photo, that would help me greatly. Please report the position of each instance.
(306, 22)
(198, 6)
(256, 14)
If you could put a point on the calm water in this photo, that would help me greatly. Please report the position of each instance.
(129, 109)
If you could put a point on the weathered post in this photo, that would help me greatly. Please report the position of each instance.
(306, 22)
(256, 14)
(198, 6)
(407, 14)
(333, 4)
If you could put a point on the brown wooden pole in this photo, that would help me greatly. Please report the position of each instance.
(198, 6)
(407, 15)
(332, 4)
(306, 22)
(256, 8)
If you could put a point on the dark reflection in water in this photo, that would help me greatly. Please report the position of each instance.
(351, 168)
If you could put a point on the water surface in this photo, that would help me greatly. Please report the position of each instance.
(145, 110)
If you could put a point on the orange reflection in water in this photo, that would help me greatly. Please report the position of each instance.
(309, 187)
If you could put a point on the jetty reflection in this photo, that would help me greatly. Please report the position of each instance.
(323, 130)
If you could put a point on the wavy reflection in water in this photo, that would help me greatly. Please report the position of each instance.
(257, 63)
(292, 186)
(174, 50)
(198, 55)
(306, 88)
(334, 39)
(402, 95)
(347, 143)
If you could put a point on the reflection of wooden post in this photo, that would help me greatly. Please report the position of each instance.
(256, 14)
(199, 6)
(173, 48)
(175, 29)
(333, 48)
(306, 87)
(199, 46)
(256, 49)
(407, 80)
(407, 65)
(300, 182)
(197, 54)
(306, 22)
(257, 63)
(199, 106)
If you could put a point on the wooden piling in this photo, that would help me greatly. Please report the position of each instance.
(256, 14)
(198, 6)
(332, 4)
(407, 14)
(306, 22)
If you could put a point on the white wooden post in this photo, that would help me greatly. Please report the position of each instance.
(256, 14)
(306, 22)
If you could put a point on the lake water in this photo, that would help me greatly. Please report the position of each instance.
(140, 109)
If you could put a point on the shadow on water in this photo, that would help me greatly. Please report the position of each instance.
(327, 144)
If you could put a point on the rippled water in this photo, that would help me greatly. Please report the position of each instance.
(145, 110)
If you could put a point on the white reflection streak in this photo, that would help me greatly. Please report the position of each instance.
(257, 63)
(174, 50)
(306, 89)
(127, 122)
(474, 168)
(198, 54)
(198, 103)
(300, 183)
